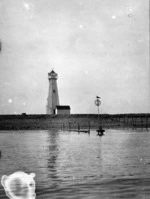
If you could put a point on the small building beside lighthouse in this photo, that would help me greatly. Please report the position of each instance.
(53, 106)
(63, 110)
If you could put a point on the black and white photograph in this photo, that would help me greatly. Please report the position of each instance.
(74, 99)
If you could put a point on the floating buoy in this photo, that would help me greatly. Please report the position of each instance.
(100, 131)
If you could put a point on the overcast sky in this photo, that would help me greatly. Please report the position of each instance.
(97, 47)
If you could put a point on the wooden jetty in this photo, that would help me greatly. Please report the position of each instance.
(83, 131)
(79, 130)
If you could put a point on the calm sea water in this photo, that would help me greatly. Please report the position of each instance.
(71, 165)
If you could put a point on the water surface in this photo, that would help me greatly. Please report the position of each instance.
(72, 165)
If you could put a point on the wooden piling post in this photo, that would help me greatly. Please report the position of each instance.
(127, 121)
(89, 126)
(124, 120)
(69, 126)
(78, 127)
(142, 122)
(146, 125)
(133, 122)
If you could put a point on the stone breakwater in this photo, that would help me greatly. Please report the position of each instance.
(73, 121)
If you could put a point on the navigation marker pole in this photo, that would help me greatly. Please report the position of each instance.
(98, 103)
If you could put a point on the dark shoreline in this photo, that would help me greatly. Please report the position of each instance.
(73, 121)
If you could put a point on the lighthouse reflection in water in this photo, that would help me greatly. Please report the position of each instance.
(72, 165)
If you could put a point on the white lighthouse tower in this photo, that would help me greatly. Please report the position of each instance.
(53, 98)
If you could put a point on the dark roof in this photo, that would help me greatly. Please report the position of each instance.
(63, 107)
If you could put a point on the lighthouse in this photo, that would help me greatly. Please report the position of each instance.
(53, 98)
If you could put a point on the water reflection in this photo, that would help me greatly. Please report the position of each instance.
(72, 165)
(100, 157)
(53, 152)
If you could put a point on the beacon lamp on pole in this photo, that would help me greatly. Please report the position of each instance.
(98, 103)
(100, 131)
